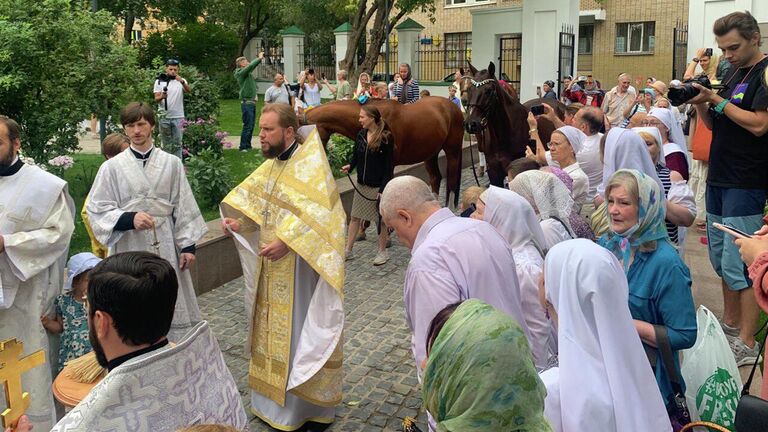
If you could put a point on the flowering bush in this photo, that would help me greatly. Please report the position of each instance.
(203, 134)
(59, 164)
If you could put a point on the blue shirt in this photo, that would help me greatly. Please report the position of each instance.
(660, 294)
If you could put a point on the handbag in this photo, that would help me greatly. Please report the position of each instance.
(677, 407)
(751, 412)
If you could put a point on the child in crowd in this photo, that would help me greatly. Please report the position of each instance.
(71, 319)
(452, 97)
(424, 93)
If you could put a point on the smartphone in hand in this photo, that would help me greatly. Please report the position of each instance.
(537, 110)
(732, 231)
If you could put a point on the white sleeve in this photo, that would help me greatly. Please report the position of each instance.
(157, 88)
(680, 193)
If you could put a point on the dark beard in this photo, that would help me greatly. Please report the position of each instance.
(7, 160)
(97, 349)
(275, 151)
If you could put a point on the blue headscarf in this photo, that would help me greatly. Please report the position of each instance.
(650, 219)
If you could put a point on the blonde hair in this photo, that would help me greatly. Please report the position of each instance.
(470, 196)
(629, 183)
(646, 137)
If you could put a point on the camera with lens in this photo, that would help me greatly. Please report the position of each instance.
(166, 77)
(681, 94)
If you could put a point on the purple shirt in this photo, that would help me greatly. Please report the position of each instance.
(454, 259)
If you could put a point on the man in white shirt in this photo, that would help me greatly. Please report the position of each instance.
(589, 120)
(169, 92)
(278, 92)
(618, 99)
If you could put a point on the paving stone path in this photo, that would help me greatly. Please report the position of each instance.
(380, 385)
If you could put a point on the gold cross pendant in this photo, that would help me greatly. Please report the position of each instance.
(11, 368)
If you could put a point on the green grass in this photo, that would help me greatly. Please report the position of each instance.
(231, 118)
(80, 178)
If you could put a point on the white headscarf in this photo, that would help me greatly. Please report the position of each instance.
(659, 142)
(77, 265)
(624, 149)
(605, 382)
(547, 195)
(575, 137)
(664, 115)
(514, 218)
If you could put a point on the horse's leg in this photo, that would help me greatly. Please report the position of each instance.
(433, 169)
(496, 174)
(453, 156)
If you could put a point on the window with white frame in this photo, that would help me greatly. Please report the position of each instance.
(457, 3)
(635, 37)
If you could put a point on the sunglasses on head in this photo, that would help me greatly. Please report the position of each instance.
(172, 62)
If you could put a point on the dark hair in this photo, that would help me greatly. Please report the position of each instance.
(593, 117)
(172, 62)
(14, 131)
(136, 111)
(521, 165)
(138, 290)
(743, 22)
(438, 322)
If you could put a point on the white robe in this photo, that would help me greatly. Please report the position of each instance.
(604, 381)
(162, 391)
(36, 222)
(161, 189)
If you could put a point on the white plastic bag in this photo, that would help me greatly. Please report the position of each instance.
(713, 383)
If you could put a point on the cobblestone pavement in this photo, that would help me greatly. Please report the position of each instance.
(380, 385)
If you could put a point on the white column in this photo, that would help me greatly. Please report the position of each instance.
(407, 44)
(342, 33)
(542, 22)
(293, 45)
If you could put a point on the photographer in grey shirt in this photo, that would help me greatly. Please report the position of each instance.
(278, 92)
(169, 92)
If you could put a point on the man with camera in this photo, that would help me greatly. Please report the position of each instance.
(169, 94)
(737, 181)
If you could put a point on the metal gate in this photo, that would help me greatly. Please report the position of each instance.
(565, 55)
(679, 50)
(510, 54)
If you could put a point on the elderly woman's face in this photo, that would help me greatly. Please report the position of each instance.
(479, 211)
(560, 148)
(622, 210)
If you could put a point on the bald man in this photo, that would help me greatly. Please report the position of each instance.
(452, 259)
(618, 99)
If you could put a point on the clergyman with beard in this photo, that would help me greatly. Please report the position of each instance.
(290, 225)
(36, 224)
(152, 385)
(141, 201)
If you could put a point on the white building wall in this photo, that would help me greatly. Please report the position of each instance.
(702, 15)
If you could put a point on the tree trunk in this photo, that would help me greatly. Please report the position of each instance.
(128, 30)
(246, 30)
(359, 29)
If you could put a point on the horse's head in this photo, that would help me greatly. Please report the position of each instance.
(483, 95)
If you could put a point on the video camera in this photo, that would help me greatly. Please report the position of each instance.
(679, 95)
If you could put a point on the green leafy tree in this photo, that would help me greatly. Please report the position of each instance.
(365, 12)
(173, 11)
(59, 64)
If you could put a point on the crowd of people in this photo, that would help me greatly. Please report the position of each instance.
(544, 306)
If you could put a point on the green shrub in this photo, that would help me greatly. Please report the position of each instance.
(201, 135)
(209, 177)
(339, 152)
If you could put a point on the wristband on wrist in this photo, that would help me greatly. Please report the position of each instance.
(532, 131)
(719, 108)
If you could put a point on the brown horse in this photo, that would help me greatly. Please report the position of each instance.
(420, 129)
(502, 120)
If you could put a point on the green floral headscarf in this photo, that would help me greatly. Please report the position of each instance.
(480, 374)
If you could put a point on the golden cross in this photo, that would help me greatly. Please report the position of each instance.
(11, 368)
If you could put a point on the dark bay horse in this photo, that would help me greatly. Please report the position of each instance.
(502, 120)
(421, 130)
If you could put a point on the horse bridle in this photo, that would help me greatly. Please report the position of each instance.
(484, 112)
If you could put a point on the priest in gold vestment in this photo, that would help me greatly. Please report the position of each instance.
(289, 226)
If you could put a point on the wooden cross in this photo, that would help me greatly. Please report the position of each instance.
(11, 368)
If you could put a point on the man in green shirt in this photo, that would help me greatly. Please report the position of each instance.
(248, 97)
(343, 91)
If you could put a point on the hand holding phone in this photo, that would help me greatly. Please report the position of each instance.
(537, 110)
(731, 230)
